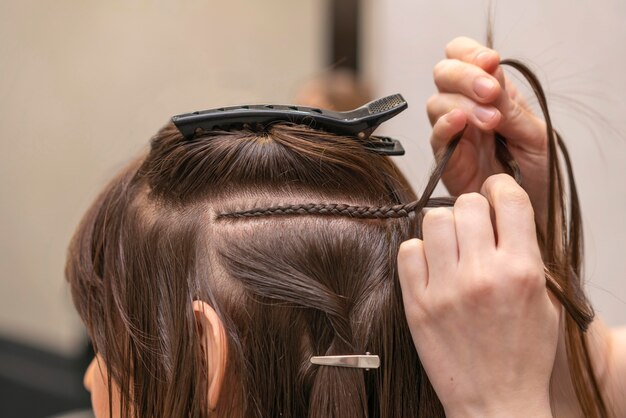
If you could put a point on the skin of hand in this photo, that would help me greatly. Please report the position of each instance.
(473, 90)
(484, 325)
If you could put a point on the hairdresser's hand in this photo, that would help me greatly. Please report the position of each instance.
(475, 297)
(473, 89)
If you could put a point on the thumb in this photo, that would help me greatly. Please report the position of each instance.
(518, 123)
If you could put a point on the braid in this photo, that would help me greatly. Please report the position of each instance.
(340, 209)
(366, 212)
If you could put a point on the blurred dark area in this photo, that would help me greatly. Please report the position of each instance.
(344, 45)
(36, 383)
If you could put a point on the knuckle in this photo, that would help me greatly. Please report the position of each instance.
(513, 195)
(439, 69)
(455, 73)
(450, 46)
(504, 189)
(526, 275)
(408, 248)
(496, 180)
(431, 105)
(456, 42)
(470, 201)
(442, 305)
(433, 117)
(437, 216)
(480, 288)
(450, 74)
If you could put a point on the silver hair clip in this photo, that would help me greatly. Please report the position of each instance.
(366, 361)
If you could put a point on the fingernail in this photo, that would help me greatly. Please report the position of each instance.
(483, 58)
(485, 114)
(483, 87)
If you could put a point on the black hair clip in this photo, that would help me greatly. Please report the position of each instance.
(360, 122)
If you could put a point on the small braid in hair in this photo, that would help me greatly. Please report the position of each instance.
(339, 209)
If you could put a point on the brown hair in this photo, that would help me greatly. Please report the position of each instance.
(289, 280)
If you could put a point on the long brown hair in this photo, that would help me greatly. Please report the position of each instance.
(291, 235)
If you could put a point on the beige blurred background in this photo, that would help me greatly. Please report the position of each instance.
(84, 84)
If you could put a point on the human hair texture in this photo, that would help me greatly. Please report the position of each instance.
(291, 235)
(286, 289)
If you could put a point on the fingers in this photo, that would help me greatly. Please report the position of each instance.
(484, 117)
(471, 51)
(469, 70)
(515, 220)
(440, 244)
(455, 76)
(446, 127)
(474, 230)
(412, 267)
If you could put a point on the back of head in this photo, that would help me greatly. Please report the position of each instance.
(285, 287)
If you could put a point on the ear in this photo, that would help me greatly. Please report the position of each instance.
(212, 338)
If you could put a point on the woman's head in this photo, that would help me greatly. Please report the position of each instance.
(157, 272)
(201, 301)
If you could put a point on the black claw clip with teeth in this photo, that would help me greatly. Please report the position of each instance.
(360, 122)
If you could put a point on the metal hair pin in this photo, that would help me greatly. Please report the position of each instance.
(366, 361)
